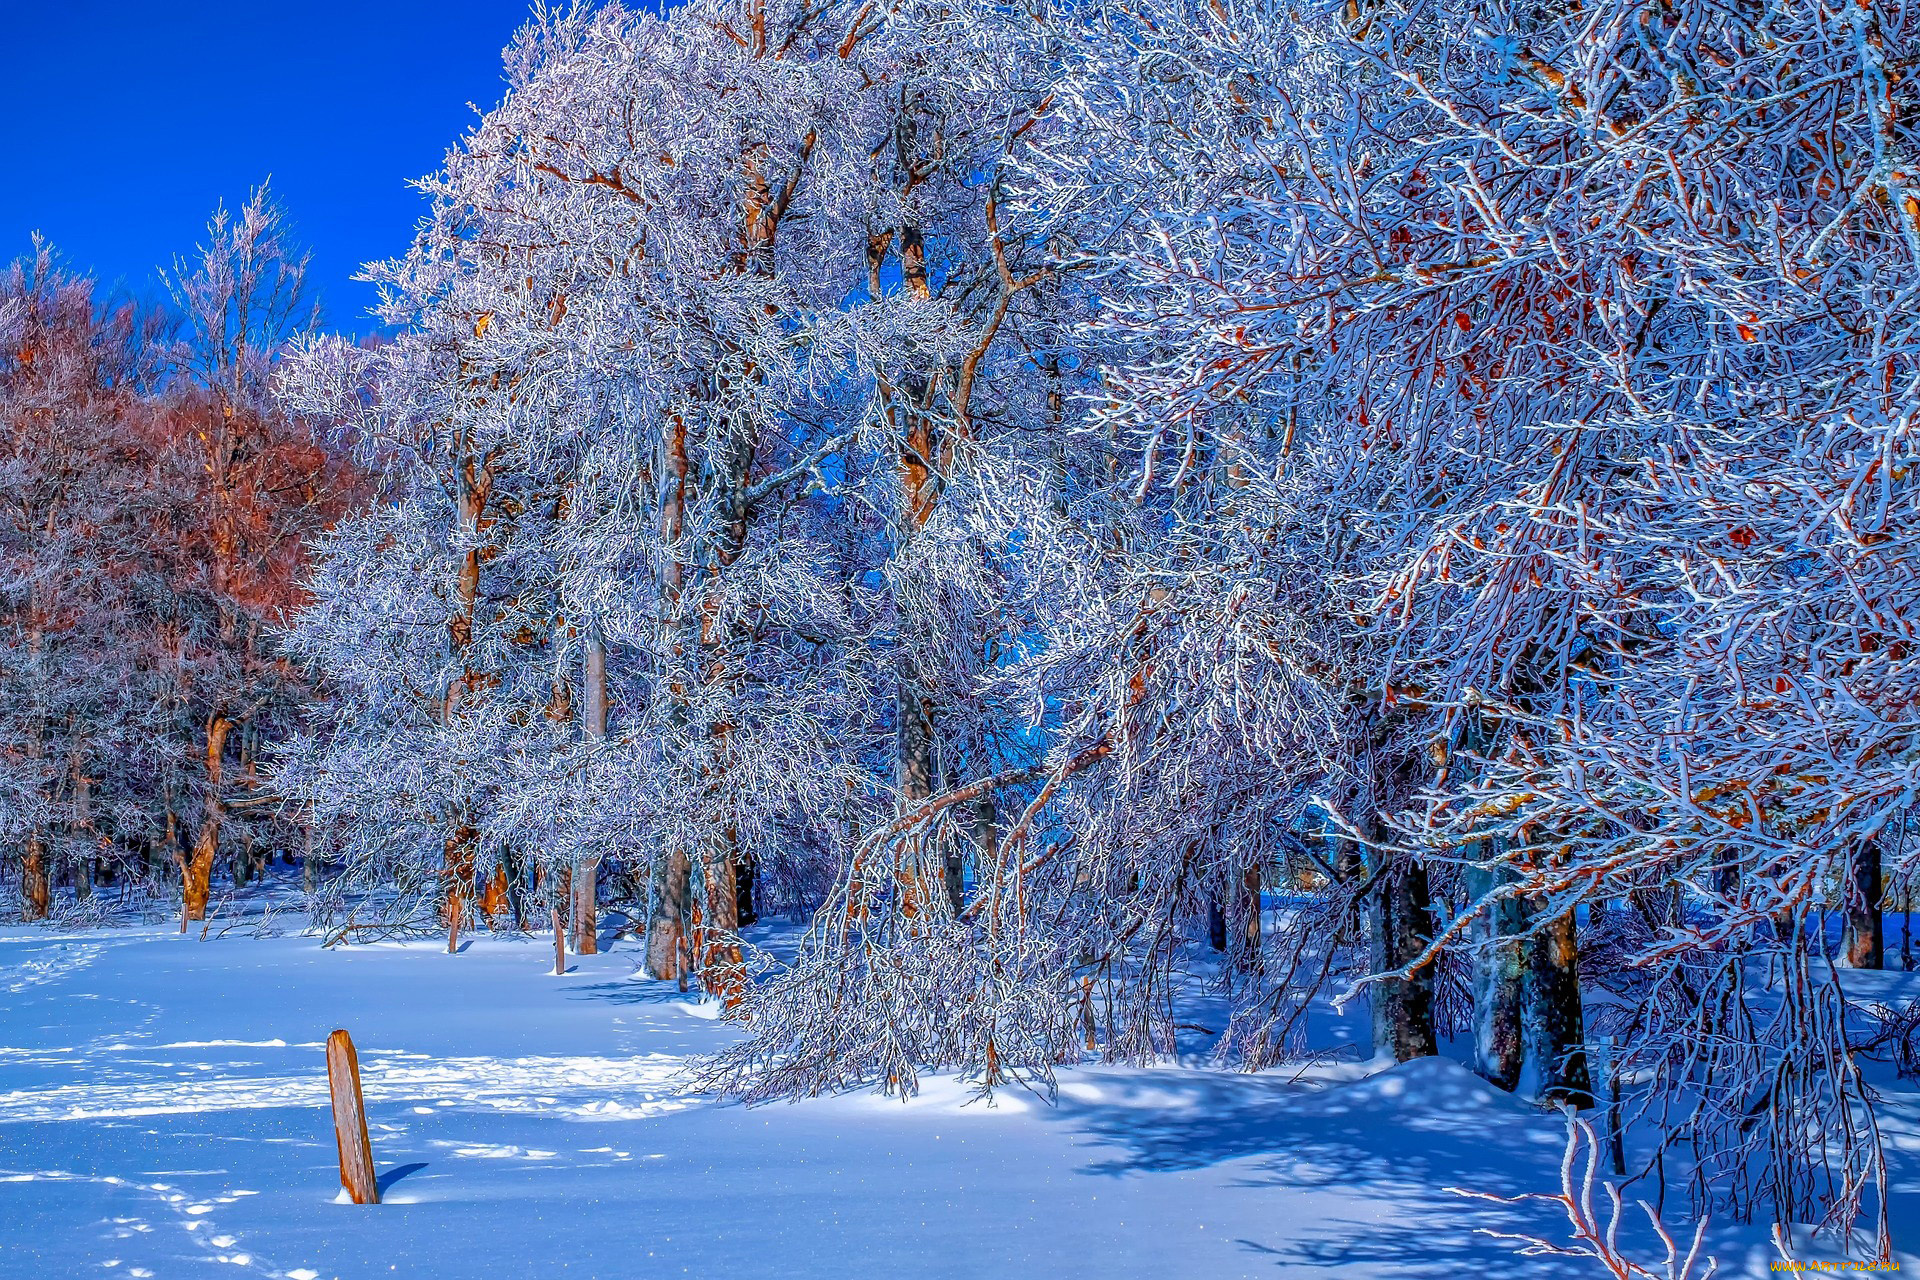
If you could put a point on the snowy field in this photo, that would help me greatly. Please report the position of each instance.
(163, 1114)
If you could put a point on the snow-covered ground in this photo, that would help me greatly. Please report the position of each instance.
(163, 1113)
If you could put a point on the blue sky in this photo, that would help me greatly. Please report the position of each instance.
(127, 121)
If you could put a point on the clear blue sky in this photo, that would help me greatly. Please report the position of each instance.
(127, 121)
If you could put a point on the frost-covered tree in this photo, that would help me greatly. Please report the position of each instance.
(627, 357)
(1021, 484)
(252, 488)
(158, 509)
(78, 449)
(1595, 322)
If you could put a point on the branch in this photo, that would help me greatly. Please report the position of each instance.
(800, 468)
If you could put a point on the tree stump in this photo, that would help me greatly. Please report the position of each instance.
(350, 1120)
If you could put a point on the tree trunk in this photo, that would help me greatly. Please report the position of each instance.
(457, 882)
(1906, 925)
(35, 892)
(583, 890)
(1216, 923)
(1556, 1028)
(196, 873)
(1250, 928)
(514, 868)
(1863, 941)
(986, 838)
(586, 877)
(1398, 914)
(714, 915)
(919, 455)
(1499, 983)
(473, 478)
(493, 899)
(744, 906)
(82, 814)
(1402, 919)
(670, 893)
(252, 863)
(1499, 955)
(669, 885)
(722, 968)
(357, 1176)
(914, 766)
(196, 883)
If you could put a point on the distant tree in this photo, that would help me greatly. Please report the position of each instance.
(159, 509)
(78, 456)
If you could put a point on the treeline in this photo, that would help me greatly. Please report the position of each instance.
(156, 510)
(1022, 486)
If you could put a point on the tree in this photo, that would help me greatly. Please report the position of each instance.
(254, 488)
(77, 456)
(1581, 358)
(1022, 482)
(157, 525)
(603, 351)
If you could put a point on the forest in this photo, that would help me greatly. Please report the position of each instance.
(958, 533)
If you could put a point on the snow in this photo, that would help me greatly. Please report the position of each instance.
(163, 1113)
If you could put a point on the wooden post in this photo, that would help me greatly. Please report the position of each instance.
(350, 1120)
(559, 945)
